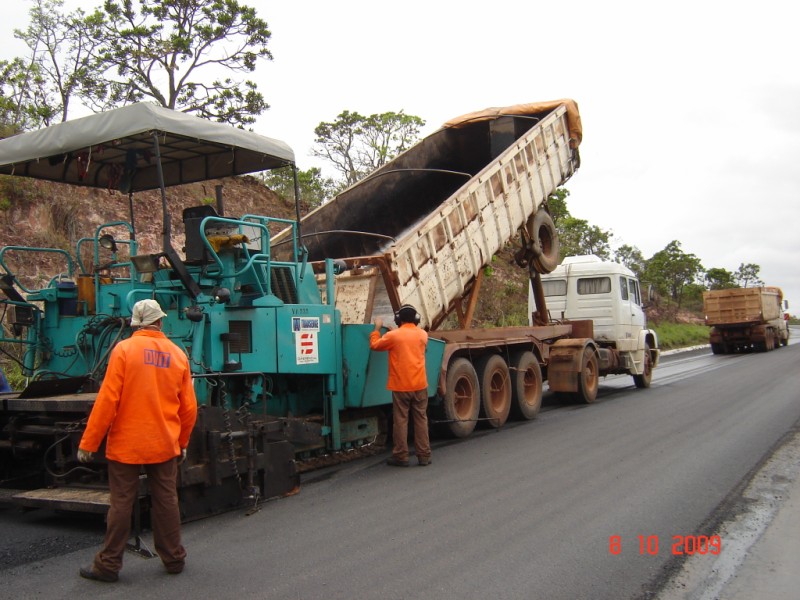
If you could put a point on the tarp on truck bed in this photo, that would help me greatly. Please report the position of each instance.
(529, 108)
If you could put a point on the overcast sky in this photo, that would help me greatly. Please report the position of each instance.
(690, 109)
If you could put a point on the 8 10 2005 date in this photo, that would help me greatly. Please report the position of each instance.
(682, 545)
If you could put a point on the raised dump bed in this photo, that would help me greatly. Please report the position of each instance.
(426, 223)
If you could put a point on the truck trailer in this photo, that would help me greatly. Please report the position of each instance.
(743, 319)
(275, 314)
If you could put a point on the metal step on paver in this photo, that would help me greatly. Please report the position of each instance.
(73, 499)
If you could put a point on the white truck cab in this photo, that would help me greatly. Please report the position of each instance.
(607, 293)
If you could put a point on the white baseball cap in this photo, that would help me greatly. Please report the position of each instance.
(146, 312)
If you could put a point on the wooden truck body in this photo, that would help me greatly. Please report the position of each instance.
(745, 319)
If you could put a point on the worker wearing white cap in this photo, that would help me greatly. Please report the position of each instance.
(146, 410)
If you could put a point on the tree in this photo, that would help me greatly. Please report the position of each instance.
(557, 205)
(671, 269)
(631, 257)
(747, 275)
(24, 97)
(357, 145)
(577, 237)
(61, 57)
(314, 188)
(159, 52)
(719, 279)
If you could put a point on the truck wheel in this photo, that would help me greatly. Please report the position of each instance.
(717, 348)
(495, 389)
(544, 239)
(765, 345)
(589, 377)
(526, 386)
(643, 380)
(461, 405)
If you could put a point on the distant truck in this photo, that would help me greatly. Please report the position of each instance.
(607, 294)
(744, 319)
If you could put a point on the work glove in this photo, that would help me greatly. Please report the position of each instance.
(182, 457)
(84, 456)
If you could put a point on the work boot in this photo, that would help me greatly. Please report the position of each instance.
(90, 573)
(424, 461)
(396, 462)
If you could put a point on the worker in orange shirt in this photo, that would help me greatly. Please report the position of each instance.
(146, 410)
(407, 382)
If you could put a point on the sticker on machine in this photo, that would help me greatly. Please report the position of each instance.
(305, 324)
(306, 347)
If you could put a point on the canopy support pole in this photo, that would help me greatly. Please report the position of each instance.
(169, 252)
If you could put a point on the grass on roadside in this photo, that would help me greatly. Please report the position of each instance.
(680, 335)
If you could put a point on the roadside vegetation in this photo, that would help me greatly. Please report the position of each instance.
(680, 335)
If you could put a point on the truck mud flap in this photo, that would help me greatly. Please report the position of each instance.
(564, 365)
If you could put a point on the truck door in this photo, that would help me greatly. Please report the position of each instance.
(637, 312)
(625, 312)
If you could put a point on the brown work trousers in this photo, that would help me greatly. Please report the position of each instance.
(417, 404)
(123, 481)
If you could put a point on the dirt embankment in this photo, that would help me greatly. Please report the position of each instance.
(49, 215)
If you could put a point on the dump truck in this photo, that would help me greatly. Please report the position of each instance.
(744, 319)
(275, 314)
(608, 294)
(421, 230)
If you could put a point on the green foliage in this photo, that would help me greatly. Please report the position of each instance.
(577, 237)
(5, 204)
(14, 376)
(557, 205)
(692, 298)
(24, 98)
(168, 51)
(747, 275)
(314, 188)
(670, 270)
(631, 257)
(158, 52)
(357, 145)
(680, 335)
(719, 279)
(60, 61)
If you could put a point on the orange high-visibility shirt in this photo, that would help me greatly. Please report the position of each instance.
(406, 347)
(146, 404)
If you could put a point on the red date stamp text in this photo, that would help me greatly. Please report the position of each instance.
(679, 545)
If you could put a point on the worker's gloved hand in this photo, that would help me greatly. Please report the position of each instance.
(85, 456)
(182, 457)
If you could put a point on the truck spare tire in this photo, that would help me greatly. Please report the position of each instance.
(544, 241)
